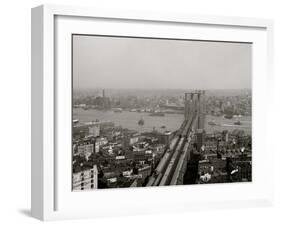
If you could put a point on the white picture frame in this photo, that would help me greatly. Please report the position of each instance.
(51, 198)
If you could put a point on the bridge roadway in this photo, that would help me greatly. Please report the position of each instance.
(169, 169)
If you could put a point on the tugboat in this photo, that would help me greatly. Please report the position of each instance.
(141, 122)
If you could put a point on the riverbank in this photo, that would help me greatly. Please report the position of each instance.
(171, 122)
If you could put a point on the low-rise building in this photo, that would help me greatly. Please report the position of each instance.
(144, 171)
(85, 150)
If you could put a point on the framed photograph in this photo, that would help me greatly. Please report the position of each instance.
(137, 112)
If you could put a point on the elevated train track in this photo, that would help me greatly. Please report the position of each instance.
(155, 179)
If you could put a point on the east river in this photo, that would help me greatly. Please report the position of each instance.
(170, 122)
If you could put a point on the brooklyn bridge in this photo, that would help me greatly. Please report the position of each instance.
(172, 168)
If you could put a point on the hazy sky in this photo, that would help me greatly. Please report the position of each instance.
(112, 62)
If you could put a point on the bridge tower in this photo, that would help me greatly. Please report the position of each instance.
(188, 105)
(195, 105)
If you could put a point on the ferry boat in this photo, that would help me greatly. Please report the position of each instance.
(157, 114)
(117, 110)
(238, 123)
(228, 116)
(75, 121)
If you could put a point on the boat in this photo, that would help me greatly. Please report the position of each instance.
(141, 122)
(157, 114)
(238, 123)
(163, 127)
(117, 110)
(75, 121)
(212, 123)
(228, 116)
(87, 107)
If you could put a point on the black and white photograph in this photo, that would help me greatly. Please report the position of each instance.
(138, 113)
(152, 112)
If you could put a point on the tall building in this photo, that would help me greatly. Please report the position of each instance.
(85, 180)
(94, 129)
(191, 173)
(200, 138)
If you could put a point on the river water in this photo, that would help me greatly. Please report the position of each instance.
(171, 122)
(228, 124)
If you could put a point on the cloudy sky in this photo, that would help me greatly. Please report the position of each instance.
(114, 62)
